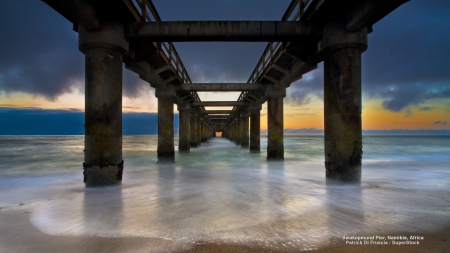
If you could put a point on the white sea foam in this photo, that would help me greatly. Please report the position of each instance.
(221, 193)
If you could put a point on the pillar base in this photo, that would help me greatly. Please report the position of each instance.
(255, 149)
(275, 155)
(184, 150)
(193, 145)
(343, 161)
(167, 156)
(334, 175)
(244, 145)
(102, 175)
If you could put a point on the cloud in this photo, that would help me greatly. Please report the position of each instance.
(400, 97)
(40, 53)
(219, 61)
(39, 50)
(406, 62)
(307, 89)
(408, 56)
(133, 86)
(443, 123)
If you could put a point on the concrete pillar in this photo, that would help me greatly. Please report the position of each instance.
(234, 130)
(204, 130)
(255, 126)
(166, 149)
(275, 146)
(238, 131)
(199, 130)
(342, 102)
(193, 131)
(184, 134)
(244, 129)
(104, 50)
(233, 133)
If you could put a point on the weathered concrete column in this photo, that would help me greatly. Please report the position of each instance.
(244, 129)
(255, 129)
(193, 139)
(103, 50)
(275, 145)
(166, 150)
(232, 132)
(204, 130)
(184, 134)
(238, 131)
(342, 102)
(199, 130)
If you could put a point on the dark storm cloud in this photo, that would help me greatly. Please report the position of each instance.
(39, 50)
(399, 97)
(406, 63)
(40, 53)
(308, 88)
(408, 56)
(133, 86)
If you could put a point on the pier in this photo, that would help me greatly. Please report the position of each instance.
(130, 32)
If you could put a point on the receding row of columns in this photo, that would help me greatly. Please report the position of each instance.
(238, 131)
(103, 163)
(193, 129)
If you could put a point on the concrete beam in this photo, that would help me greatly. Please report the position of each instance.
(219, 103)
(222, 31)
(221, 87)
(215, 120)
(219, 112)
(218, 116)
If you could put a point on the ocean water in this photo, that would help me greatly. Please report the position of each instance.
(221, 193)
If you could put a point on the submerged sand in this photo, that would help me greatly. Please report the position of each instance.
(19, 235)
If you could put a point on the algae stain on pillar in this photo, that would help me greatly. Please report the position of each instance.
(104, 50)
(342, 102)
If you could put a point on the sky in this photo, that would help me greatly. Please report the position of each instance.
(405, 71)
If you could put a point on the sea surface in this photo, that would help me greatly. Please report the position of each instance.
(221, 193)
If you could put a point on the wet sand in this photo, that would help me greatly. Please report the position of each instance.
(19, 235)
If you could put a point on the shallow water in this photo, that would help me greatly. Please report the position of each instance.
(221, 193)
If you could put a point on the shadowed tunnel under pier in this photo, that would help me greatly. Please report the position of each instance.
(311, 31)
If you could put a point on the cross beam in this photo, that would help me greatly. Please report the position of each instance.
(218, 116)
(219, 103)
(221, 87)
(174, 31)
(219, 112)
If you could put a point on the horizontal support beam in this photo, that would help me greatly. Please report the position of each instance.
(221, 87)
(178, 31)
(219, 112)
(218, 116)
(219, 103)
(217, 119)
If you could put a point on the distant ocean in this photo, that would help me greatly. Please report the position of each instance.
(220, 192)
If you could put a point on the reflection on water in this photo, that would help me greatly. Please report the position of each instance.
(222, 193)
